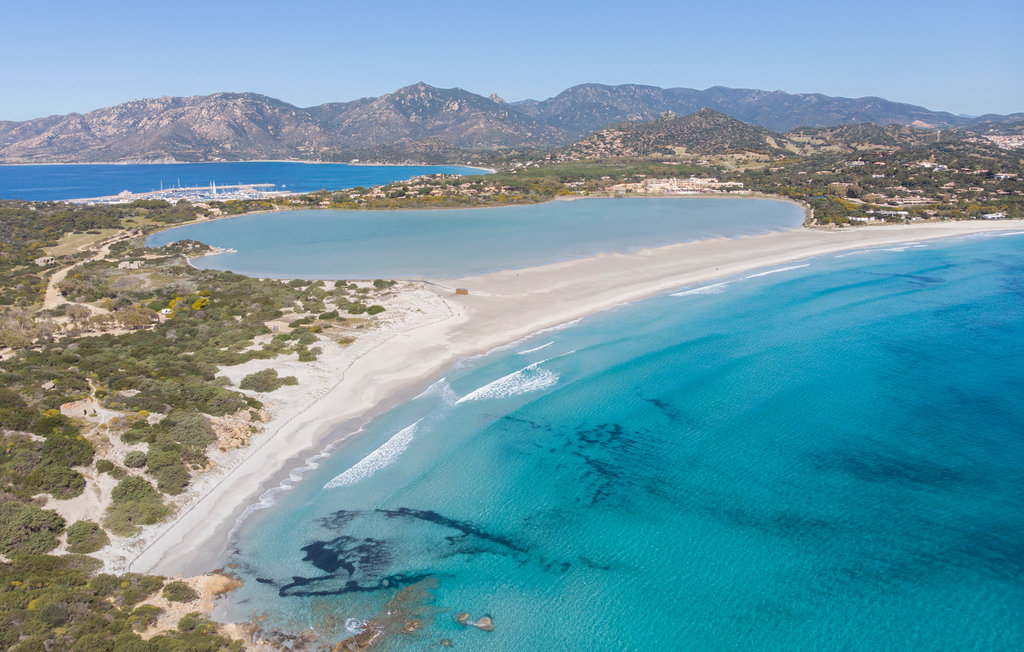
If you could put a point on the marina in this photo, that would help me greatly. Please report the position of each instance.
(193, 194)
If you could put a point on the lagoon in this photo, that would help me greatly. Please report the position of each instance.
(459, 242)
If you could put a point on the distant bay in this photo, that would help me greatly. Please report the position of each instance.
(58, 182)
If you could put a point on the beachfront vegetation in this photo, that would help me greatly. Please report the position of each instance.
(57, 603)
(26, 529)
(179, 591)
(149, 382)
(134, 502)
(266, 381)
(85, 537)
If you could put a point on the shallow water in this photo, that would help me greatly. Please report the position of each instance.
(825, 455)
(454, 243)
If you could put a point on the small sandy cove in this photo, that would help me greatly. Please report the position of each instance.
(431, 329)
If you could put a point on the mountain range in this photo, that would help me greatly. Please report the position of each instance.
(420, 118)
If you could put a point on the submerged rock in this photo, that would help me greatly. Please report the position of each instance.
(485, 623)
(412, 625)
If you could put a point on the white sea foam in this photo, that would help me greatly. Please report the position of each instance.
(511, 345)
(714, 288)
(528, 379)
(776, 271)
(269, 497)
(355, 626)
(536, 348)
(440, 387)
(898, 248)
(377, 460)
(558, 327)
(1002, 234)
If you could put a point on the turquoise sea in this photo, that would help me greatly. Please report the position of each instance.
(454, 243)
(56, 182)
(828, 455)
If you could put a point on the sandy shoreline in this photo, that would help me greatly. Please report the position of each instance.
(502, 307)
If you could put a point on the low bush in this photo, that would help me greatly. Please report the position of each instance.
(135, 502)
(26, 529)
(266, 381)
(135, 459)
(179, 591)
(144, 617)
(85, 537)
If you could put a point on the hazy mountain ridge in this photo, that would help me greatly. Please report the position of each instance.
(236, 126)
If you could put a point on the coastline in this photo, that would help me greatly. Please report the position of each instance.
(259, 160)
(501, 308)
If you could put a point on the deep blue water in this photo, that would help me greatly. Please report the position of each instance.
(54, 182)
(454, 243)
(825, 457)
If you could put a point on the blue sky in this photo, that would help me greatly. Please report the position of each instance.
(77, 56)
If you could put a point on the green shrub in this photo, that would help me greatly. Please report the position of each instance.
(26, 529)
(144, 617)
(104, 466)
(169, 470)
(329, 315)
(135, 587)
(135, 502)
(105, 584)
(179, 591)
(190, 429)
(135, 459)
(189, 622)
(266, 381)
(375, 309)
(85, 537)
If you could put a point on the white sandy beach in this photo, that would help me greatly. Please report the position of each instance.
(433, 329)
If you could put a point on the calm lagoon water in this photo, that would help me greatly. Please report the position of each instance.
(825, 457)
(55, 182)
(454, 243)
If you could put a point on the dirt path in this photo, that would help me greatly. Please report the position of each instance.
(54, 298)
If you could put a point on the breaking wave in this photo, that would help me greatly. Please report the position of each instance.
(897, 248)
(269, 497)
(528, 379)
(441, 388)
(714, 288)
(1001, 234)
(776, 271)
(536, 348)
(377, 460)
